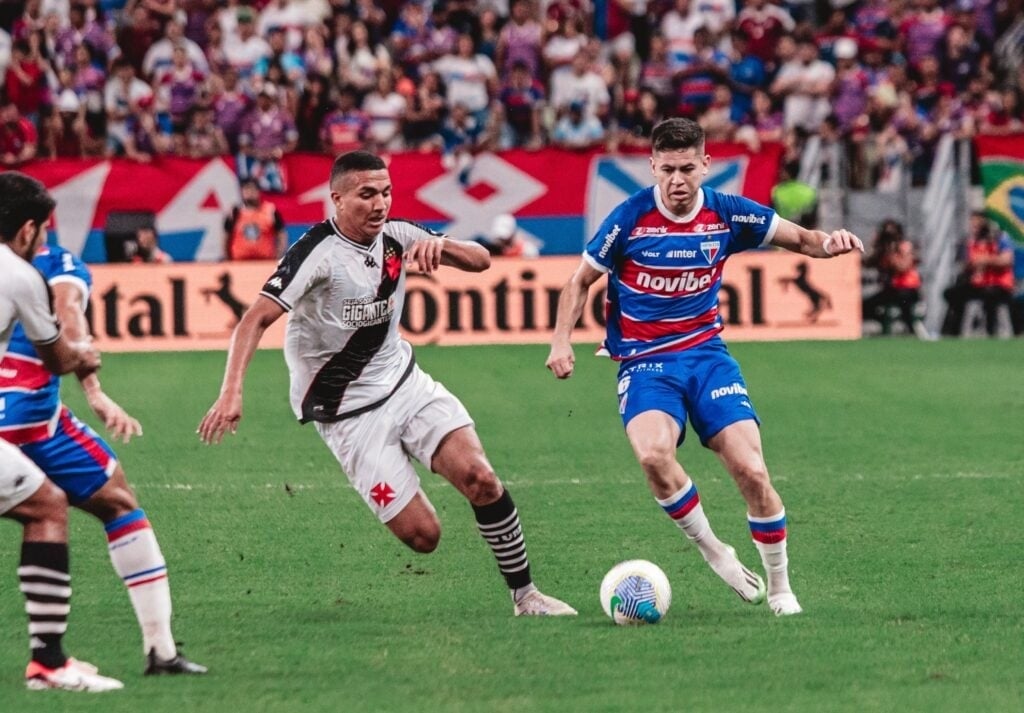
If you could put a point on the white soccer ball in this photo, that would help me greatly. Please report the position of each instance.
(635, 592)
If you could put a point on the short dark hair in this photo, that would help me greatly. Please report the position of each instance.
(355, 161)
(22, 198)
(677, 134)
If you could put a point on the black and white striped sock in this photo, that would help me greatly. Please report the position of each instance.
(46, 584)
(499, 526)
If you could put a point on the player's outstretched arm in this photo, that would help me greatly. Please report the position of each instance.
(815, 243)
(226, 411)
(571, 302)
(430, 253)
(69, 305)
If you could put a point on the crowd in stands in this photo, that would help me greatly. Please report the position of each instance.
(258, 79)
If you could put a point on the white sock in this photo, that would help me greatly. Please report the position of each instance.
(137, 559)
(769, 535)
(685, 509)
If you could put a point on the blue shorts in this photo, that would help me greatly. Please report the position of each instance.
(75, 458)
(703, 382)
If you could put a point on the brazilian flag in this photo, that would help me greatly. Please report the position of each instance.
(1002, 173)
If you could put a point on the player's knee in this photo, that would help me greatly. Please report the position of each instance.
(480, 485)
(48, 504)
(656, 459)
(753, 478)
(424, 539)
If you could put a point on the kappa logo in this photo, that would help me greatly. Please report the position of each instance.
(710, 249)
(274, 282)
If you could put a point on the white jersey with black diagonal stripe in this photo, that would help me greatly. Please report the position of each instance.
(344, 299)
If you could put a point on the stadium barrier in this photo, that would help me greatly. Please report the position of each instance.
(766, 295)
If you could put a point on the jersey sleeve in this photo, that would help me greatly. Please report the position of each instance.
(407, 232)
(753, 225)
(64, 267)
(34, 308)
(605, 247)
(299, 270)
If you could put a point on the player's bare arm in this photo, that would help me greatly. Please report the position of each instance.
(815, 243)
(571, 302)
(63, 357)
(429, 254)
(226, 411)
(68, 304)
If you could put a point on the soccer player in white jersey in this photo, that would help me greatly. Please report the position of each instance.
(355, 378)
(663, 250)
(25, 494)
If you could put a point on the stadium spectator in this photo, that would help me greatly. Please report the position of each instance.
(345, 128)
(314, 104)
(316, 57)
(122, 92)
(254, 230)
(202, 137)
(19, 140)
(268, 133)
(159, 58)
(231, 105)
(410, 37)
(581, 83)
(656, 74)
(678, 26)
(674, 365)
(793, 199)
(385, 108)
(520, 40)
(360, 60)
(375, 400)
(65, 133)
(895, 260)
(179, 87)
(987, 276)
(470, 79)
(244, 52)
(522, 98)
(424, 116)
(806, 83)
(289, 18)
(561, 46)
(136, 32)
(577, 130)
(923, 29)
(716, 120)
(462, 136)
(146, 134)
(147, 247)
(746, 75)
(764, 24)
(25, 82)
(281, 60)
(81, 30)
(635, 120)
(505, 239)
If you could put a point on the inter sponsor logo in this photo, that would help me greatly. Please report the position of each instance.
(609, 239)
(685, 282)
(730, 390)
(682, 253)
(749, 218)
(363, 313)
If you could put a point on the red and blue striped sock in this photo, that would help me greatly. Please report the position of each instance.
(137, 559)
(685, 509)
(769, 535)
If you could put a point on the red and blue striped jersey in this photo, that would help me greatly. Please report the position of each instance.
(29, 393)
(664, 271)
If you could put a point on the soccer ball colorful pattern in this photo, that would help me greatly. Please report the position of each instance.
(635, 592)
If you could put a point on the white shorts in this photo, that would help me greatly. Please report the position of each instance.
(374, 448)
(19, 477)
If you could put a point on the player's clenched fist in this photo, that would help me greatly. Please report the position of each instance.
(425, 254)
(561, 361)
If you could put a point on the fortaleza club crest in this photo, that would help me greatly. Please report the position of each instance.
(710, 249)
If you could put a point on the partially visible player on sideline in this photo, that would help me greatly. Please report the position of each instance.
(355, 378)
(25, 493)
(82, 464)
(663, 249)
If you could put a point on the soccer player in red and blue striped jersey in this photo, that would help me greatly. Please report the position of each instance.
(663, 250)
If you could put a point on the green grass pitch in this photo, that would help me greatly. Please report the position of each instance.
(900, 464)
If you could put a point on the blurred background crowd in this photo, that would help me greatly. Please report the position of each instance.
(212, 77)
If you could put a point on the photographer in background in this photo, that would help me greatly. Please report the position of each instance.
(893, 256)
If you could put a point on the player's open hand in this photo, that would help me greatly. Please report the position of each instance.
(561, 360)
(425, 255)
(119, 423)
(222, 417)
(840, 242)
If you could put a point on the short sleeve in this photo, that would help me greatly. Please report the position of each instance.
(753, 225)
(605, 247)
(64, 267)
(34, 308)
(407, 232)
(301, 267)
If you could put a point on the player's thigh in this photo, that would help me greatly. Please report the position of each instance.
(651, 385)
(437, 429)
(20, 480)
(717, 393)
(76, 458)
(370, 452)
(738, 447)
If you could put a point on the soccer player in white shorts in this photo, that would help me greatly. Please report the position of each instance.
(25, 494)
(352, 374)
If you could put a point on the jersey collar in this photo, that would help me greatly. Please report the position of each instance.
(672, 216)
(350, 241)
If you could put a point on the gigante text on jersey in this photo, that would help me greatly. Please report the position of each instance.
(516, 302)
